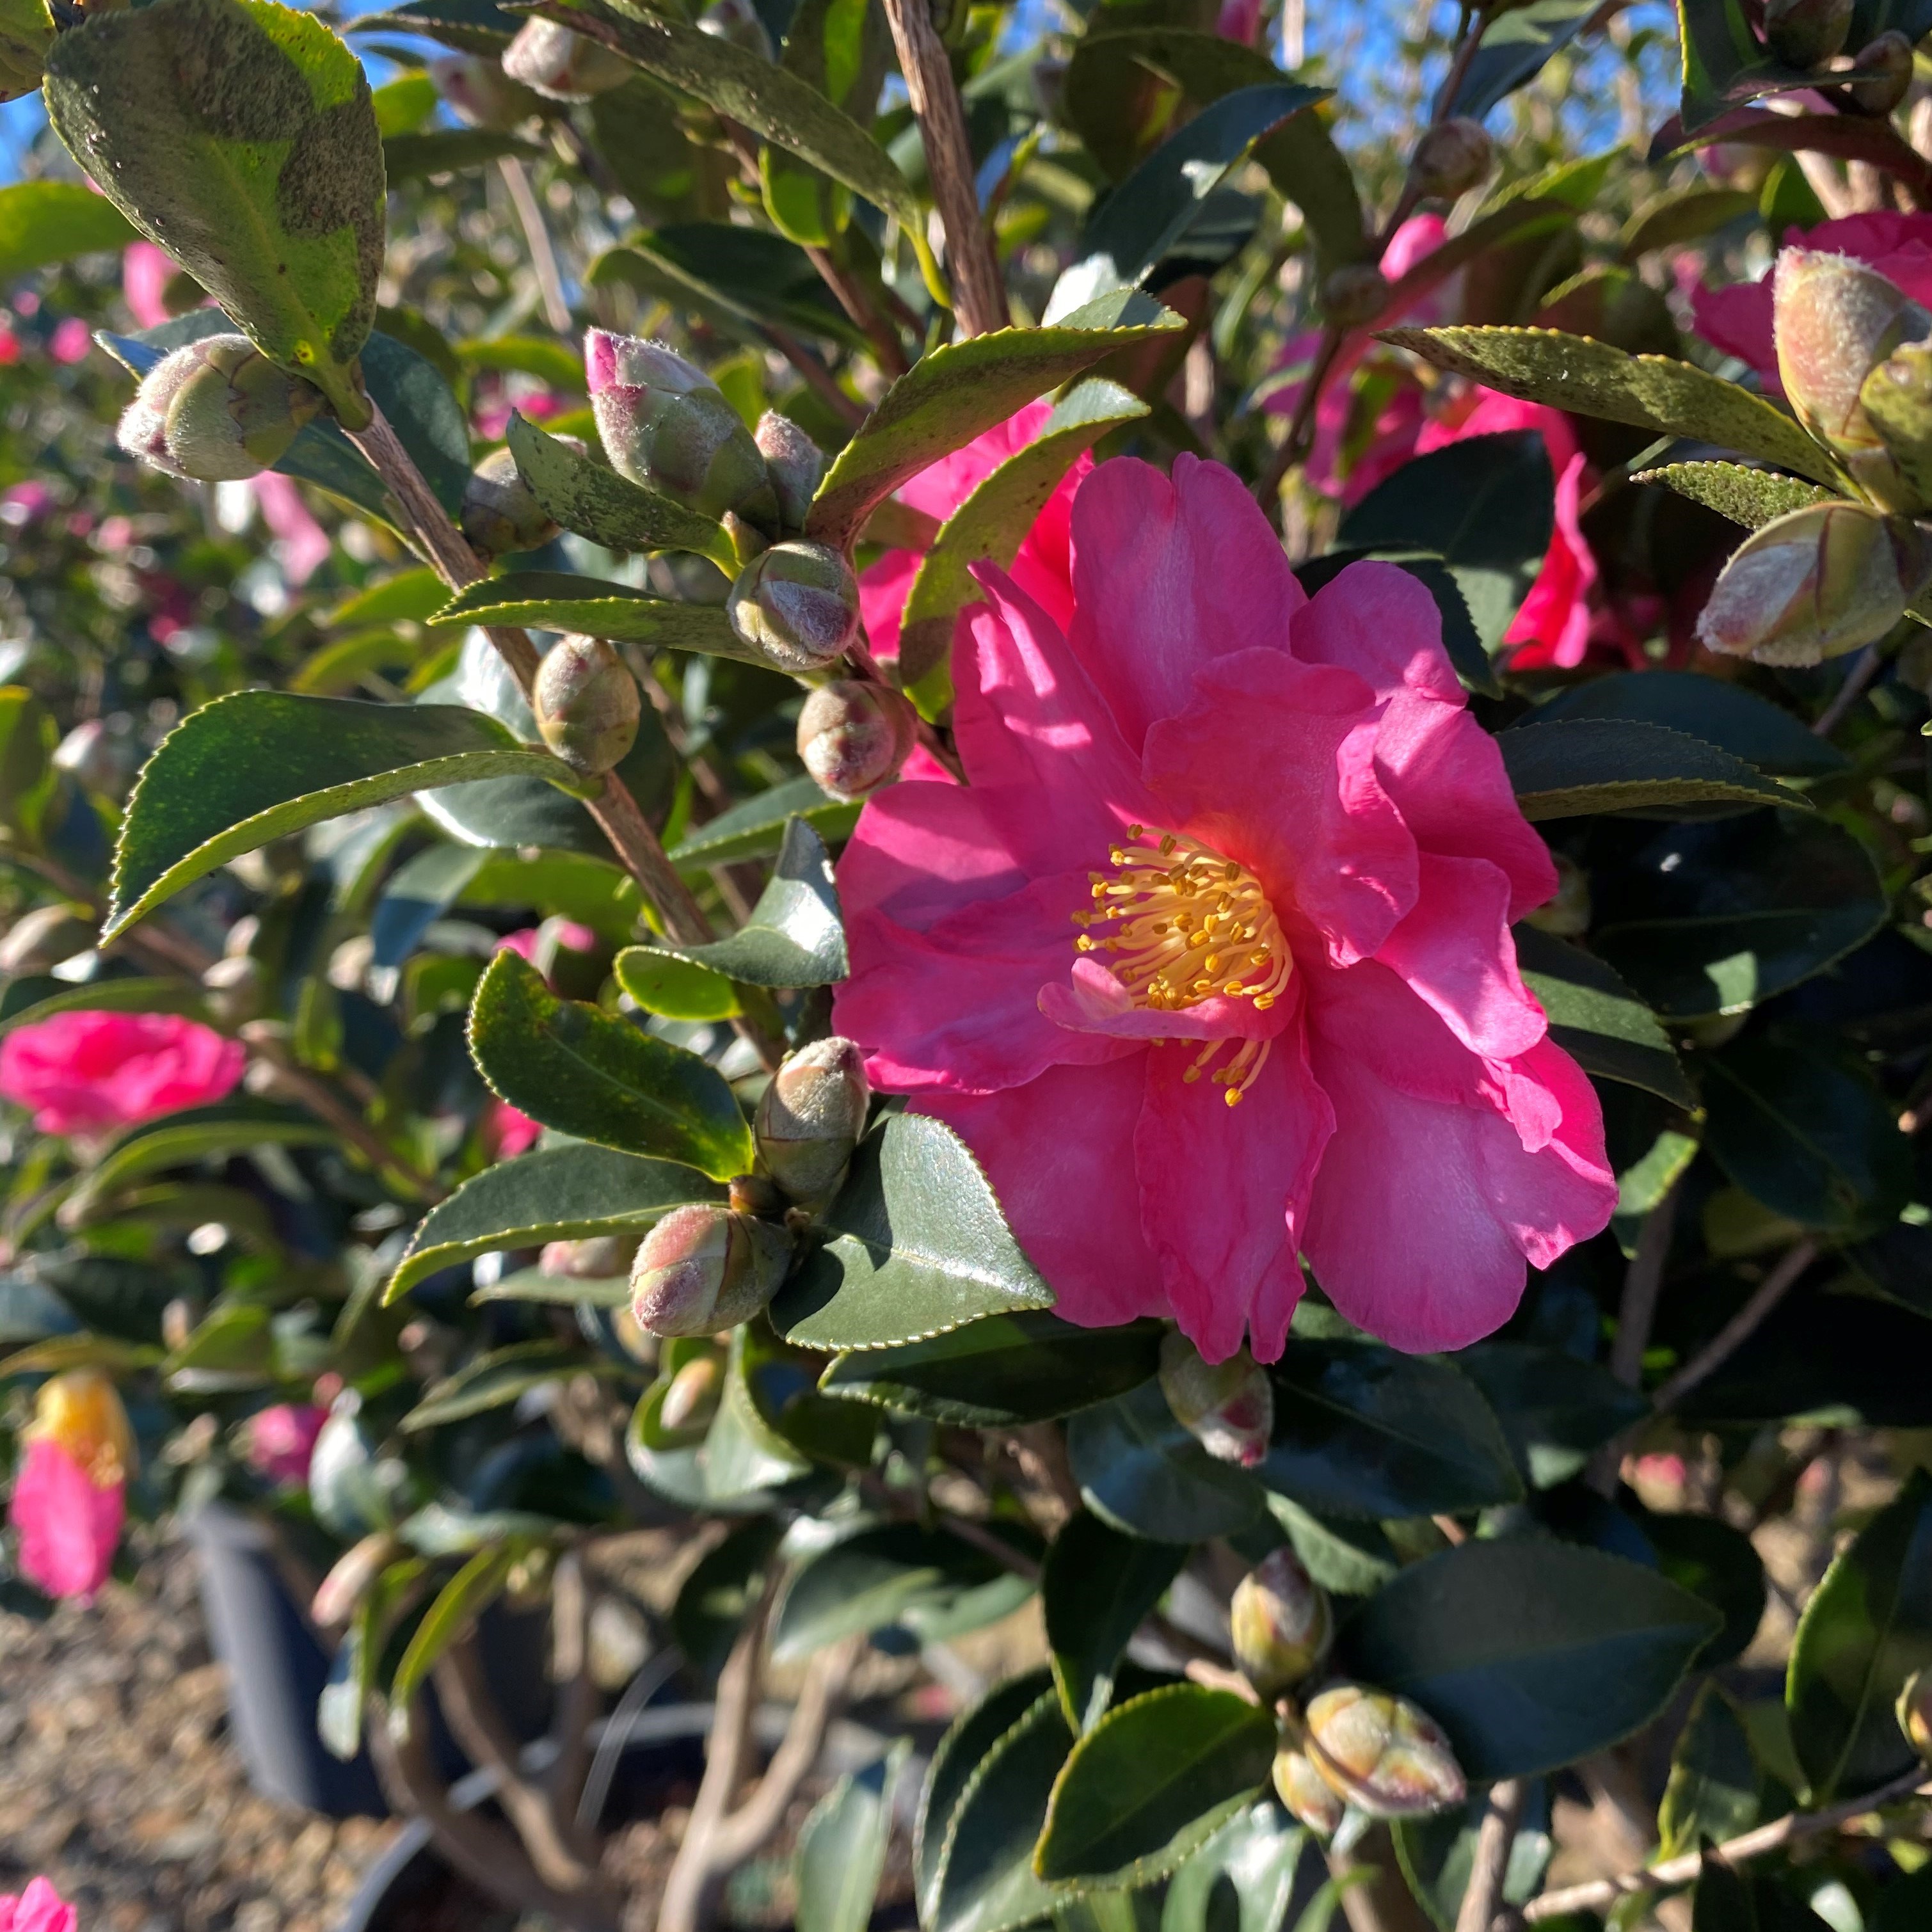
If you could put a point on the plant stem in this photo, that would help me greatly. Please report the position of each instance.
(1482, 1898)
(1735, 1332)
(536, 233)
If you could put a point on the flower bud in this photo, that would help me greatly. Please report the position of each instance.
(348, 1582)
(1890, 55)
(703, 1270)
(1229, 1406)
(692, 1398)
(480, 92)
(852, 735)
(796, 604)
(1835, 320)
(598, 1257)
(1354, 295)
(499, 513)
(217, 410)
(1381, 1753)
(1281, 1622)
(234, 988)
(1816, 583)
(795, 464)
(586, 702)
(1451, 158)
(561, 65)
(737, 21)
(1915, 1713)
(43, 937)
(1801, 33)
(1308, 1795)
(81, 1413)
(665, 423)
(810, 1118)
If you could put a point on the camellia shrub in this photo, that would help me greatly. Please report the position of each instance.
(954, 809)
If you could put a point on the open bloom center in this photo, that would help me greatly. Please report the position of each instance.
(1183, 925)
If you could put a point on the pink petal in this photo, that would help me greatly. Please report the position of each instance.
(1378, 621)
(939, 489)
(1059, 1152)
(87, 1072)
(921, 851)
(68, 1529)
(1737, 319)
(883, 588)
(39, 1909)
(1556, 617)
(1563, 1191)
(1167, 577)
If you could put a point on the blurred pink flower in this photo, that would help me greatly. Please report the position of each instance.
(302, 544)
(69, 1492)
(39, 1909)
(1238, 20)
(145, 272)
(280, 1440)
(71, 341)
(522, 942)
(508, 1131)
(1204, 728)
(87, 1073)
(10, 346)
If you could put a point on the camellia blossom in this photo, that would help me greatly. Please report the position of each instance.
(508, 1131)
(280, 1440)
(39, 1909)
(1210, 963)
(70, 1493)
(90, 1073)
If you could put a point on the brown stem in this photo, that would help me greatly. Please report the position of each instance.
(1636, 1313)
(979, 293)
(1482, 1898)
(1738, 1329)
(577, 1700)
(1291, 450)
(1382, 1903)
(887, 349)
(536, 234)
(818, 379)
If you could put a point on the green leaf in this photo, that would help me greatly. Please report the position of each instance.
(1514, 49)
(720, 1592)
(497, 1379)
(916, 1246)
(352, 1676)
(1554, 1408)
(609, 509)
(1351, 1557)
(1138, 1468)
(239, 135)
(756, 825)
(1530, 1654)
(445, 151)
(1751, 497)
(1257, 1853)
(990, 526)
(1657, 393)
(958, 392)
(1437, 1854)
(194, 1134)
(1095, 1587)
(1151, 1782)
(840, 1853)
(1867, 1627)
(741, 280)
(1683, 215)
(898, 1573)
(133, 994)
(554, 1194)
(662, 982)
(1807, 1132)
(42, 222)
(1596, 1019)
(1360, 1430)
(1713, 1789)
(587, 1073)
(256, 765)
(1574, 767)
(552, 601)
(1002, 1372)
(472, 26)
(458, 1604)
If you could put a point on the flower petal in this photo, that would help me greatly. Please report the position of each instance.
(68, 1528)
(922, 850)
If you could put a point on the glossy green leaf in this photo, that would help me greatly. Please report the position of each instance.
(916, 1246)
(1350, 1556)
(1656, 393)
(458, 1604)
(741, 280)
(1740, 1900)
(600, 1077)
(1138, 1468)
(1751, 497)
(1515, 47)
(497, 1380)
(1867, 1627)
(1002, 1372)
(474, 26)
(554, 600)
(842, 48)
(1530, 1654)
(1576, 767)
(1596, 1019)
(1257, 1852)
(756, 825)
(722, 1591)
(1095, 1588)
(1713, 1789)
(194, 1134)
(1554, 1408)
(1360, 1430)
(1151, 1782)
(1438, 1853)
(958, 392)
(989, 527)
(239, 135)
(554, 1194)
(257, 765)
(679, 989)
(841, 1854)
(42, 222)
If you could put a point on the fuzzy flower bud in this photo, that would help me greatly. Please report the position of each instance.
(1281, 1622)
(480, 92)
(499, 513)
(796, 604)
(586, 702)
(666, 424)
(1229, 1406)
(795, 464)
(1814, 584)
(810, 1117)
(703, 1270)
(217, 410)
(1354, 295)
(852, 735)
(1452, 158)
(561, 65)
(692, 1398)
(1381, 1753)
(737, 21)
(1891, 55)
(1801, 33)
(598, 1257)
(348, 1582)
(1308, 1795)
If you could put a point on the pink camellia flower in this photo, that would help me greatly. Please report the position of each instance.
(71, 341)
(1737, 319)
(1224, 843)
(69, 1492)
(39, 1909)
(280, 1441)
(89, 1072)
(145, 272)
(508, 1131)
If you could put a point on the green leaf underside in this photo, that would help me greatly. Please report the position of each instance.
(795, 936)
(554, 1194)
(989, 527)
(756, 825)
(1751, 497)
(916, 1246)
(256, 765)
(554, 600)
(598, 503)
(961, 390)
(602, 1078)
(1596, 1019)
(1572, 767)
(1095, 1587)
(1653, 392)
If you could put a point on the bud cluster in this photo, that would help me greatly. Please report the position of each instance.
(1812, 36)
(218, 411)
(1356, 1746)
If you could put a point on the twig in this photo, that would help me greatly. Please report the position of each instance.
(1636, 1313)
(979, 294)
(536, 233)
(577, 1697)
(1848, 693)
(1596, 1894)
(1735, 1332)
(1483, 1897)
(850, 292)
(1291, 451)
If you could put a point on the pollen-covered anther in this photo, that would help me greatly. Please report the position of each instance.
(1188, 925)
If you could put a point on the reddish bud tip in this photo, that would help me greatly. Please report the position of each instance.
(1227, 1406)
(703, 1270)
